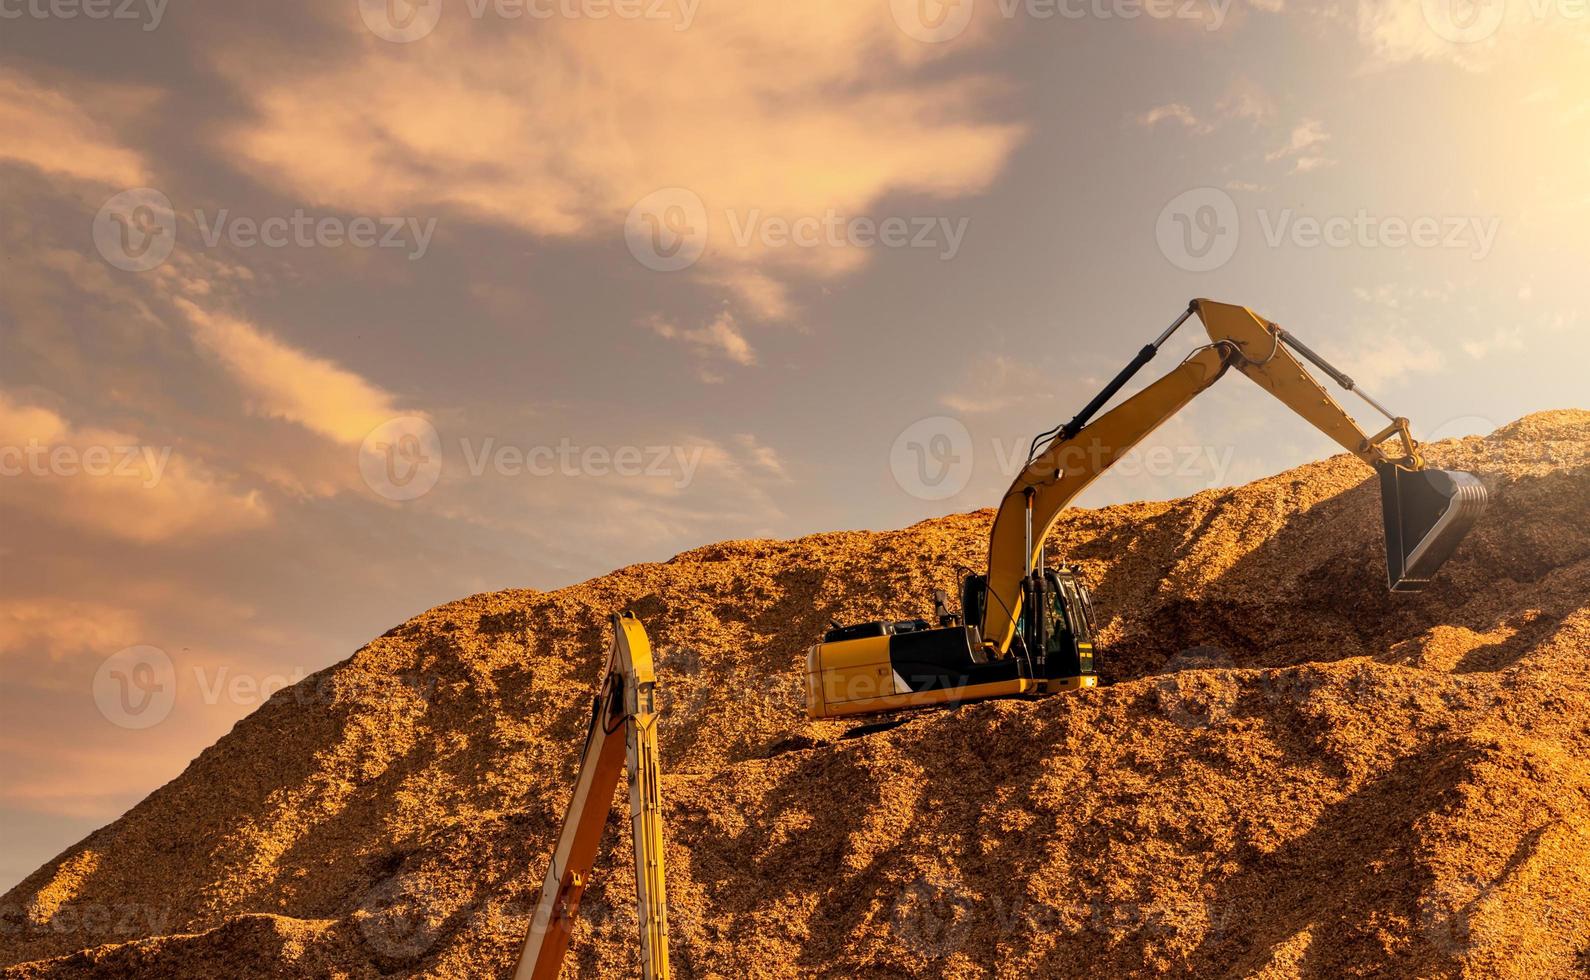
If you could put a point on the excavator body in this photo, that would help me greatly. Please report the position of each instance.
(994, 648)
(893, 665)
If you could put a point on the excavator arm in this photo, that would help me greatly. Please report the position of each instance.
(623, 730)
(1427, 511)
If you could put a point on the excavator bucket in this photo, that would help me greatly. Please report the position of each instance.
(1428, 512)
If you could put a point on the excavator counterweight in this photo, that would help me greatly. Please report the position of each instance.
(1025, 629)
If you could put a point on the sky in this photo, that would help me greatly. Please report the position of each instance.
(318, 314)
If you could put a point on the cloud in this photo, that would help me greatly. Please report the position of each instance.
(693, 488)
(1473, 35)
(1392, 358)
(461, 121)
(998, 382)
(762, 457)
(112, 482)
(284, 382)
(69, 133)
(1244, 100)
(1502, 339)
(719, 339)
(1173, 112)
(1302, 147)
(763, 296)
(62, 627)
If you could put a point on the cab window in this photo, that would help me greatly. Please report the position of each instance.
(1078, 608)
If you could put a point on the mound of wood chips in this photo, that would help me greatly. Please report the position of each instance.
(1293, 773)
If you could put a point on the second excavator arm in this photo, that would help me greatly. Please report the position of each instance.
(623, 731)
(1427, 511)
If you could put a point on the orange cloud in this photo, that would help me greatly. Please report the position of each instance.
(112, 482)
(64, 627)
(560, 126)
(284, 382)
(59, 133)
(721, 338)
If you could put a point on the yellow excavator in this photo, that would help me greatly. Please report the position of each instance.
(1024, 629)
(623, 729)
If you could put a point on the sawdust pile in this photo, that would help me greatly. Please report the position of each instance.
(1294, 774)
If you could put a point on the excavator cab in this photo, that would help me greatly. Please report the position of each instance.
(1059, 642)
(1066, 626)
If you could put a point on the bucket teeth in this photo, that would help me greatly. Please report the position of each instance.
(1427, 513)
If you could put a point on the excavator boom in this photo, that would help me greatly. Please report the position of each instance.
(1427, 512)
(623, 730)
